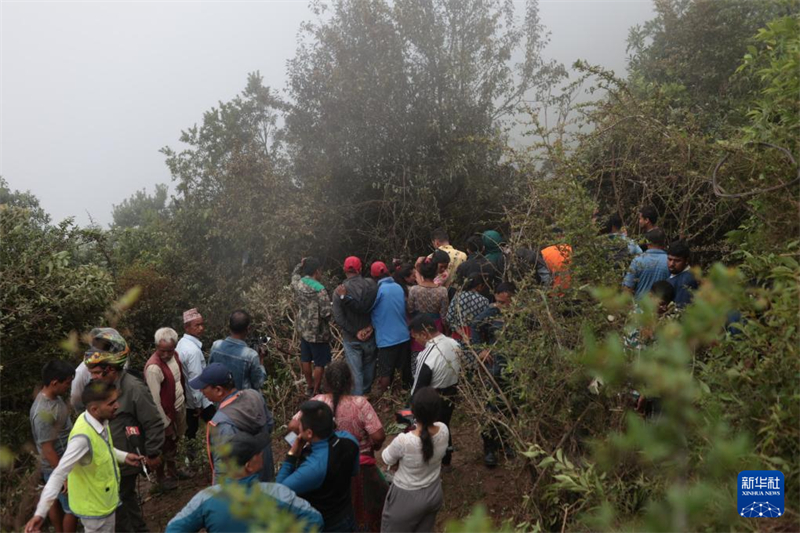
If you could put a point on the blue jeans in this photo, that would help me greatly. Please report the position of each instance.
(361, 357)
(63, 499)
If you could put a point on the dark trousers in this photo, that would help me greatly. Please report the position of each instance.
(493, 439)
(405, 371)
(343, 524)
(129, 514)
(193, 424)
(493, 436)
(397, 357)
(445, 415)
(168, 466)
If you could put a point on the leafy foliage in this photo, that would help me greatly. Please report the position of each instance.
(396, 120)
(23, 200)
(159, 303)
(46, 291)
(770, 149)
(398, 123)
(237, 215)
(141, 209)
(729, 401)
(691, 49)
(774, 61)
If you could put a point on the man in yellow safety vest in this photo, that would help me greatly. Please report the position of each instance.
(89, 465)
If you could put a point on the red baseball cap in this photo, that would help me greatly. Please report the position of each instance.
(352, 264)
(378, 269)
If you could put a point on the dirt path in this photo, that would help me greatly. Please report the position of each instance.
(466, 482)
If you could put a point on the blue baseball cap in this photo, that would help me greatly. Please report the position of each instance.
(215, 374)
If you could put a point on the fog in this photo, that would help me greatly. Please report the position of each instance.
(89, 92)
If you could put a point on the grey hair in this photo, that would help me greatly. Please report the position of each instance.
(166, 334)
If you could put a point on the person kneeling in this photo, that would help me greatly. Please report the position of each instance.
(210, 509)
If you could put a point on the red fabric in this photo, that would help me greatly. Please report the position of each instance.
(377, 269)
(458, 336)
(369, 490)
(168, 385)
(352, 264)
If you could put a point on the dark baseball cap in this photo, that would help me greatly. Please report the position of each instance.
(215, 374)
(245, 446)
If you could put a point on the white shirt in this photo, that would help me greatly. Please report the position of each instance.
(193, 362)
(82, 377)
(78, 451)
(155, 378)
(414, 473)
(443, 356)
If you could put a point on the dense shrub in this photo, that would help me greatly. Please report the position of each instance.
(361, 167)
(46, 292)
(730, 396)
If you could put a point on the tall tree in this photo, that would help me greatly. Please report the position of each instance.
(23, 200)
(234, 213)
(397, 114)
(50, 284)
(693, 47)
(141, 208)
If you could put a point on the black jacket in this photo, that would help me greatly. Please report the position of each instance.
(352, 313)
(136, 408)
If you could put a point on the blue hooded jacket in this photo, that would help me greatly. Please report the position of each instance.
(210, 509)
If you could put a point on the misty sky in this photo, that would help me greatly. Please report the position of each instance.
(90, 91)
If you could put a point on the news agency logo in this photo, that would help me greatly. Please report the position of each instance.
(761, 493)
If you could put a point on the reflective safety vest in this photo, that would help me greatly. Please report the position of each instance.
(94, 487)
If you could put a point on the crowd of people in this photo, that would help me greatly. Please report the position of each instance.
(412, 322)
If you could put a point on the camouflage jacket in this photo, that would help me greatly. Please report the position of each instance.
(313, 308)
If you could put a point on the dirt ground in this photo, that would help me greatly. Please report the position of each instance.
(466, 482)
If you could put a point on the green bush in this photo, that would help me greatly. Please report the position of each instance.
(46, 292)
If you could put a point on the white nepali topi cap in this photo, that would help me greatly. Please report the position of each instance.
(190, 315)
